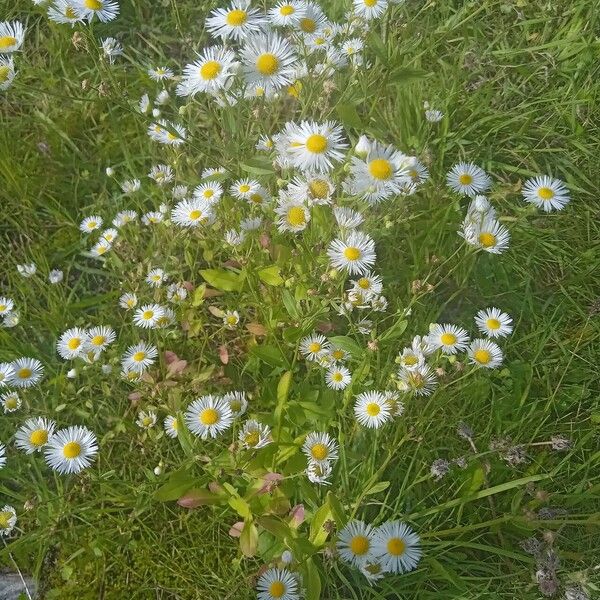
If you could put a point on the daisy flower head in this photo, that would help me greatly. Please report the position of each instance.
(338, 377)
(493, 322)
(10, 402)
(105, 10)
(210, 192)
(485, 353)
(6, 305)
(212, 72)
(292, 215)
(372, 569)
(347, 218)
(312, 188)
(162, 174)
(148, 316)
(192, 213)
(110, 235)
(355, 543)
(314, 18)
(319, 472)
(231, 318)
(7, 372)
(238, 402)
(128, 301)
(313, 346)
(490, 236)
(251, 223)
(434, 116)
(71, 450)
(12, 35)
(372, 409)
(139, 357)
(421, 381)
(176, 292)
(146, 419)
(90, 224)
(418, 173)
(287, 13)
(8, 519)
(168, 133)
(34, 434)
(355, 253)
(370, 9)
(27, 372)
(369, 284)
(411, 359)
(468, 179)
(65, 11)
(160, 73)
(72, 343)
(320, 447)
(450, 338)
(27, 270)
(546, 193)
(352, 48)
(254, 435)
(111, 48)
(12, 319)
(152, 218)
(311, 146)
(265, 143)
(208, 416)
(479, 209)
(397, 546)
(100, 248)
(278, 584)
(55, 276)
(171, 426)
(237, 21)
(156, 277)
(242, 189)
(7, 72)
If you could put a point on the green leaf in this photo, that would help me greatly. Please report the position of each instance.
(222, 279)
(378, 46)
(313, 581)
(198, 497)
(271, 275)
(249, 539)
(198, 297)
(348, 344)
(406, 75)
(179, 483)
(240, 506)
(258, 166)
(337, 510)
(318, 535)
(268, 354)
(283, 390)
(349, 116)
(395, 331)
(275, 526)
(290, 303)
(378, 487)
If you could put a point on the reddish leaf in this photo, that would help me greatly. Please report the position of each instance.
(236, 529)
(198, 497)
(265, 240)
(188, 285)
(135, 397)
(270, 482)
(177, 367)
(297, 515)
(256, 329)
(170, 357)
(211, 293)
(324, 327)
(223, 354)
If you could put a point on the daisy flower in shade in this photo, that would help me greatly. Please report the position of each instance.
(259, 196)
(64, 11)
(8, 519)
(111, 48)
(313, 346)
(410, 359)
(372, 409)
(493, 322)
(90, 224)
(27, 270)
(6, 374)
(265, 143)
(421, 381)
(338, 354)
(355, 253)
(12, 319)
(433, 115)
(237, 21)
(72, 343)
(162, 174)
(478, 210)
(546, 193)
(292, 215)
(148, 315)
(128, 301)
(277, 584)
(397, 546)
(6, 305)
(156, 277)
(191, 213)
(250, 224)
(372, 569)
(369, 284)
(320, 447)
(146, 419)
(287, 13)
(347, 218)
(55, 276)
(168, 133)
(129, 187)
(231, 318)
(370, 9)
(338, 377)
(71, 450)
(485, 353)
(105, 10)
(355, 543)
(152, 218)
(237, 403)
(352, 49)
(110, 235)
(100, 248)
(10, 402)
(254, 435)
(34, 434)
(213, 71)
(27, 372)
(139, 357)
(208, 416)
(418, 173)
(11, 36)
(312, 146)
(171, 426)
(160, 73)
(468, 179)
(319, 472)
(450, 338)
(7, 72)
(176, 292)
(233, 237)
(313, 19)
(490, 235)
(311, 188)
(209, 192)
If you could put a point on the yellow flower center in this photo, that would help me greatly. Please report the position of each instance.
(286, 10)
(232, 320)
(148, 314)
(2, 307)
(319, 41)
(396, 546)
(267, 64)
(319, 451)
(352, 253)
(545, 193)
(380, 169)
(373, 409)
(448, 339)
(72, 450)
(364, 283)
(24, 373)
(147, 421)
(256, 198)
(319, 188)
(359, 545)
(493, 324)
(139, 356)
(277, 589)
(316, 143)
(252, 438)
(308, 25)
(7, 41)
(10, 403)
(373, 568)
(93, 4)
(235, 405)
(236, 18)
(4, 73)
(208, 193)
(465, 179)
(314, 347)
(410, 360)
(130, 302)
(487, 240)
(244, 188)
(5, 516)
(98, 340)
(296, 216)
(74, 343)
(338, 354)
(92, 224)
(210, 69)
(209, 416)
(337, 377)
(370, 3)
(38, 437)
(195, 215)
(482, 356)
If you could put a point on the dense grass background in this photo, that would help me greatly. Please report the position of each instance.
(518, 82)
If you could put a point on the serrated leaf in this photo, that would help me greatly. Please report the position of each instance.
(222, 279)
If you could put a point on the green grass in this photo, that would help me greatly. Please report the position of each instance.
(518, 82)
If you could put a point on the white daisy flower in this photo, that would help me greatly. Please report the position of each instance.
(421, 381)
(146, 419)
(210, 192)
(338, 377)
(254, 435)
(231, 318)
(152, 218)
(450, 338)
(129, 187)
(251, 223)
(468, 179)
(278, 584)
(355, 543)
(242, 189)
(212, 72)
(162, 174)
(12, 319)
(111, 48)
(397, 546)
(355, 253)
(237, 21)
(90, 224)
(347, 218)
(546, 193)
(6, 374)
(238, 403)
(100, 248)
(233, 237)
(287, 13)
(368, 284)
(156, 277)
(370, 9)
(148, 315)
(313, 346)
(10, 402)
(319, 472)
(160, 73)
(124, 217)
(7, 72)
(171, 426)
(105, 10)
(71, 450)
(494, 323)
(71, 343)
(265, 143)
(192, 213)
(320, 447)
(372, 409)
(6, 305)
(372, 569)
(110, 235)
(27, 270)
(208, 416)
(139, 357)
(12, 35)
(176, 292)
(34, 434)
(292, 215)
(490, 235)
(485, 353)
(55, 276)
(27, 372)
(433, 115)
(313, 19)
(8, 519)
(311, 188)
(65, 11)
(167, 132)
(410, 359)
(128, 301)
